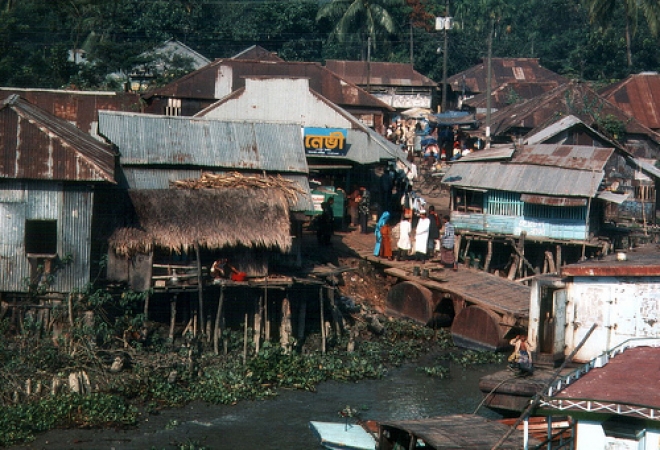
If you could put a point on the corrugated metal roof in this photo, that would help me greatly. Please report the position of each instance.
(201, 84)
(639, 96)
(504, 70)
(257, 52)
(525, 178)
(381, 73)
(574, 98)
(77, 107)
(511, 92)
(580, 157)
(145, 139)
(38, 145)
(630, 378)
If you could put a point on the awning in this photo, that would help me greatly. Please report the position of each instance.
(612, 197)
(552, 201)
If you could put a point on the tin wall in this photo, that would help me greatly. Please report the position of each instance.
(71, 208)
(623, 308)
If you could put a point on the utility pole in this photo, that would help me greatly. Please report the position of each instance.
(444, 57)
(488, 80)
(369, 64)
(411, 44)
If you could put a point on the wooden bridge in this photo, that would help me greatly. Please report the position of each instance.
(483, 309)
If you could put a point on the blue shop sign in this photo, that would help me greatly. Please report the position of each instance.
(326, 141)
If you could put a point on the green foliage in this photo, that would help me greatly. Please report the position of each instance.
(472, 357)
(20, 422)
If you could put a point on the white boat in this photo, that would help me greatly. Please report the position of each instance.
(343, 436)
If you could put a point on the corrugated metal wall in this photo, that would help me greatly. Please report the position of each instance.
(72, 208)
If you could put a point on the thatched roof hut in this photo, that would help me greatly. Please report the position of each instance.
(176, 219)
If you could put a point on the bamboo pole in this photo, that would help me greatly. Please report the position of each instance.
(172, 317)
(266, 314)
(257, 325)
(285, 326)
(322, 320)
(218, 320)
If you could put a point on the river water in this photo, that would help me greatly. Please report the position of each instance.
(283, 422)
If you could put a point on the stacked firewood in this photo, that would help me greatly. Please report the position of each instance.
(237, 180)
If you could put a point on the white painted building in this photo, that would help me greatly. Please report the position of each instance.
(621, 296)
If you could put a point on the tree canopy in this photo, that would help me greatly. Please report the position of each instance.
(588, 39)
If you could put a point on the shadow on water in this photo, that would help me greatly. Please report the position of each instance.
(282, 423)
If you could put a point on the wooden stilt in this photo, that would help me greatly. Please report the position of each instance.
(336, 315)
(172, 317)
(266, 314)
(514, 267)
(218, 320)
(302, 317)
(69, 302)
(322, 320)
(245, 338)
(489, 255)
(457, 247)
(200, 289)
(559, 259)
(552, 268)
(146, 306)
(285, 326)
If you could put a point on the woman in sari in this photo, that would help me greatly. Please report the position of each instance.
(383, 232)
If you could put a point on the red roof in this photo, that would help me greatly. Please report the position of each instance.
(201, 84)
(630, 378)
(639, 262)
(639, 96)
(504, 70)
(381, 73)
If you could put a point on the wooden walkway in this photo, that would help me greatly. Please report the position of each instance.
(474, 286)
(484, 309)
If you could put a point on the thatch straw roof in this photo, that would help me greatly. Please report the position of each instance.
(176, 219)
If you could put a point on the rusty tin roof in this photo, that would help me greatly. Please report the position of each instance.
(511, 92)
(627, 383)
(37, 145)
(504, 70)
(382, 73)
(639, 96)
(638, 262)
(201, 83)
(574, 98)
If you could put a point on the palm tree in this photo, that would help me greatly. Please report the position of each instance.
(603, 11)
(369, 19)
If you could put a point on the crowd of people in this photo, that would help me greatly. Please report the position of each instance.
(435, 144)
(420, 235)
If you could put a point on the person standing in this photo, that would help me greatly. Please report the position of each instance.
(434, 231)
(353, 201)
(383, 233)
(364, 206)
(447, 240)
(403, 244)
(422, 236)
(327, 222)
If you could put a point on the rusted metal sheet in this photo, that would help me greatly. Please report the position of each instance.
(639, 96)
(210, 82)
(628, 382)
(502, 96)
(578, 157)
(552, 201)
(381, 73)
(77, 107)
(38, 145)
(476, 327)
(505, 70)
(411, 300)
(571, 98)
